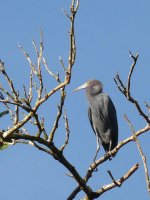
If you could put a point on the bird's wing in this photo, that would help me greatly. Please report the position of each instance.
(112, 117)
(110, 110)
(90, 118)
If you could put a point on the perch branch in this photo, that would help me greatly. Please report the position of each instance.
(94, 165)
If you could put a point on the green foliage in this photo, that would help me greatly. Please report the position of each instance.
(4, 146)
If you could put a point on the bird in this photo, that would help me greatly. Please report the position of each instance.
(102, 115)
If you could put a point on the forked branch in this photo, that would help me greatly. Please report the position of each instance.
(126, 90)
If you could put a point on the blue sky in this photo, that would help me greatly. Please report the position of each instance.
(105, 31)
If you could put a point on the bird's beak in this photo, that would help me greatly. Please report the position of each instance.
(81, 87)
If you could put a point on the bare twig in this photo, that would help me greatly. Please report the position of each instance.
(67, 131)
(35, 48)
(126, 90)
(16, 118)
(119, 84)
(40, 125)
(56, 76)
(141, 153)
(39, 67)
(6, 92)
(40, 148)
(65, 12)
(25, 92)
(60, 107)
(114, 181)
(26, 108)
(23, 131)
(9, 81)
(32, 144)
(62, 63)
(30, 93)
(129, 123)
(32, 66)
(10, 111)
(147, 105)
(4, 113)
(135, 58)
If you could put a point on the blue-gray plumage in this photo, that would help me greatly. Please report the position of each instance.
(102, 115)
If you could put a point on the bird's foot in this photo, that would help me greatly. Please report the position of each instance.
(96, 169)
(109, 155)
(93, 168)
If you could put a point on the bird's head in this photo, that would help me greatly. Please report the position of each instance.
(92, 87)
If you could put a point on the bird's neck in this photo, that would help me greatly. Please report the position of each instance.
(92, 93)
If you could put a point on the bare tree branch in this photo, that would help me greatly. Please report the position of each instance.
(60, 107)
(141, 153)
(4, 113)
(9, 81)
(126, 90)
(113, 185)
(135, 58)
(120, 181)
(32, 66)
(39, 74)
(56, 76)
(17, 126)
(95, 165)
(67, 132)
(113, 179)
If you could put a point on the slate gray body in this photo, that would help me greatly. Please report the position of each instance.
(103, 119)
(102, 115)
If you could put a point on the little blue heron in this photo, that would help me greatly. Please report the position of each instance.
(102, 115)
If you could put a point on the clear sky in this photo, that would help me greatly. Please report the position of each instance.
(105, 31)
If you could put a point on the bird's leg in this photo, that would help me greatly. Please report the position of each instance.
(110, 145)
(97, 149)
(109, 152)
(96, 154)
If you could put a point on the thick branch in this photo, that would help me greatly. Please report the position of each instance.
(17, 126)
(57, 154)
